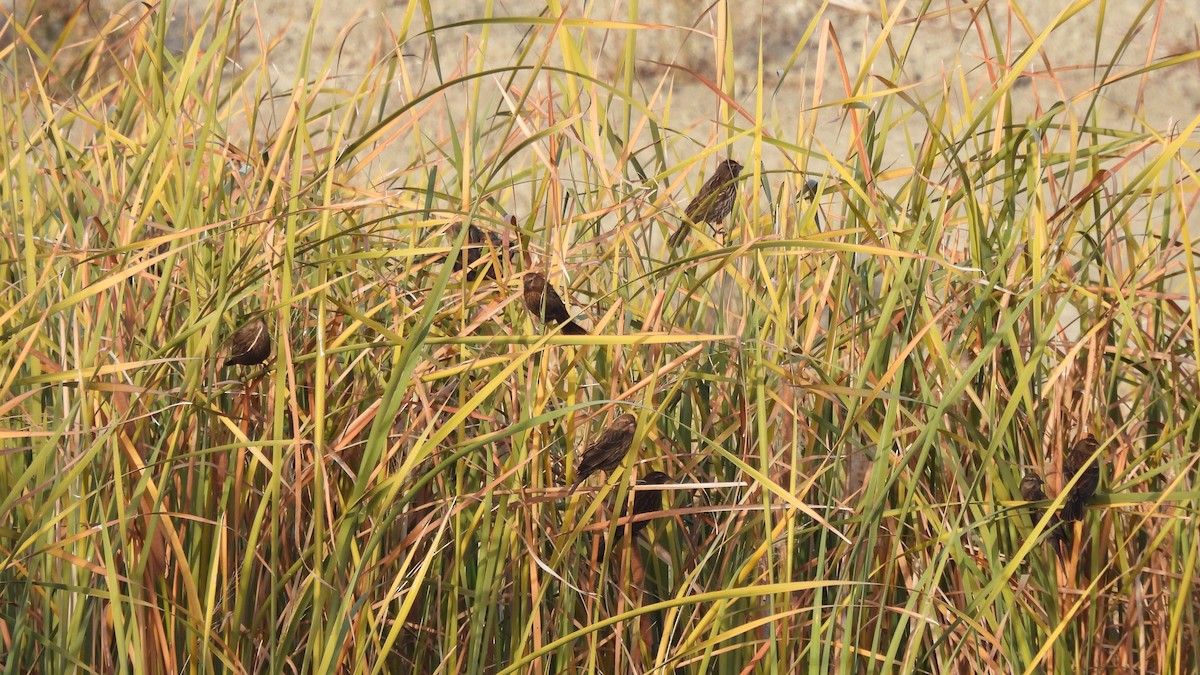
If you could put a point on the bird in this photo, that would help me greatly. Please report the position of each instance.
(250, 345)
(714, 202)
(607, 452)
(1077, 462)
(480, 244)
(644, 501)
(1031, 487)
(1031, 491)
(544, 303)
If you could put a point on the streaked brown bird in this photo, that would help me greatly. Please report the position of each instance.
(714, 202)
(1031, 491)
(544, 303)
(482, 251)
(1079, 461)
(250, 345)
(608, 450)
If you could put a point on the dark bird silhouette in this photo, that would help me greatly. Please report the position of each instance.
(714, 202)
(608, 450)
(250, 345)
(544, 303)
(481, 252)
(1079, 461)
(1031, 491)
(644, 501)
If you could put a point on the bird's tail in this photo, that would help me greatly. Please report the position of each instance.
(572, 328)
(574, 487)
(616, 540)
(1060, 538)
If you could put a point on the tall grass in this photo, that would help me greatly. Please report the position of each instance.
(847, 384)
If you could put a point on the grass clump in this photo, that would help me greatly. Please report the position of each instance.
(926, 288)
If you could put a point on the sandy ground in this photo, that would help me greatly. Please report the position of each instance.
(682, 33)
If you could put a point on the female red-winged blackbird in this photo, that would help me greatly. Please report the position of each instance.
(1079, 461)
(1031, 491)
(714, 202)
(482, 251)
(250, 345)
(608, 450)
(544, 303)
(644, 501)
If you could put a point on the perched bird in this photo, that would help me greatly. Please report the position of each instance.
(644, 501)
(608, 450)
(1077, 462)
(1031, 488)
(544, 303)
(482, 251)
(1031, 491)
(250, 345)
(714, 202)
